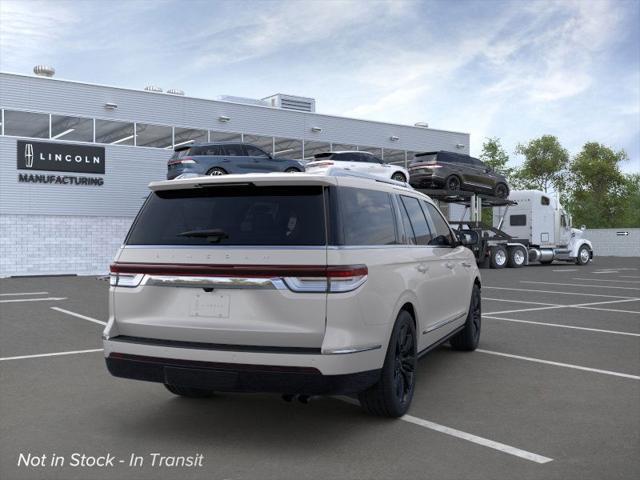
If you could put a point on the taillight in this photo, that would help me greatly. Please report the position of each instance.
(118, 279)
(184, 161)
(338, 279)
(297, 278)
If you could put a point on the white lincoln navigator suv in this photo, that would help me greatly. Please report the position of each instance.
(293, 284)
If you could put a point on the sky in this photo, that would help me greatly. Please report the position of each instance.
(515, 69)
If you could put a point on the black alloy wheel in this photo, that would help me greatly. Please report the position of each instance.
(502, 191)
(291, 170)
(398, 177)
(469, 337)
(391, 396)
(453, 183)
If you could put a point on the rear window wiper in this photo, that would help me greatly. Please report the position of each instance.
(213, 235)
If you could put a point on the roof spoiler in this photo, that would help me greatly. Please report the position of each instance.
(182, 147)
(422, 154)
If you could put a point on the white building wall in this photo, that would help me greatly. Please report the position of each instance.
(59, 244)
(607, 242)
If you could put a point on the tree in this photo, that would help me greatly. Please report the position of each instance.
(601, 195)
(545, 164)
(495, 156)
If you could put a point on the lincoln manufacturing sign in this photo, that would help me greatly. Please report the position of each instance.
(60, 157)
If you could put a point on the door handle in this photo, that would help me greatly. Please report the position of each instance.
(466, 264)
(450, 265)
(422, 268)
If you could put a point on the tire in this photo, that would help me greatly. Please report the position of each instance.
(399, 177)
(452, 183)
(501, 190)
(189, 392)
(584, 255)
(499, 257)
(468, 338)
(215, 171)
(517, 257)
(391, 396)
(292, 170)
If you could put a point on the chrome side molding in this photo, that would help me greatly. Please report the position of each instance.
(214, 282)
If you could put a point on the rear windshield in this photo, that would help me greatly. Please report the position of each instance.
(181, 153)
(232, 215)
(431, 158)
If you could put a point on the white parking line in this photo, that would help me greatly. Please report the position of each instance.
(588, 306)
(629, 276)
(598, 330)
(22, 293)
(566, 270)
(519, 301)
(56, 354)
(581, 285)
(469, 437)
(558, 293)
(560, 364)
(47, 299)
(606, 280)
(74, 314)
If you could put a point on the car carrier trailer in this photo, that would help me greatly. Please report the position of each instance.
(529, 226)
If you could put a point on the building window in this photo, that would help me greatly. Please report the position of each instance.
(157, 136)
(73, 129)
(376, 151)
(343, 147)
(26, 124)
(288, 148)
(115, 133)
(263, 143)
(182, 136)
(225, 137)
(395, 157)
(312, 148)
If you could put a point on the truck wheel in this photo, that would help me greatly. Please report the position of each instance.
(517, 257)
(392, 395)
(498, 257)
(584, 255)
(469, 337)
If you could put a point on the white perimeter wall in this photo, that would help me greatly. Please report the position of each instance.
(607, 242)
(59, 244)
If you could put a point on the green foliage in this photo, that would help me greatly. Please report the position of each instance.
(495, 156)
(600, 195)
(545, 164)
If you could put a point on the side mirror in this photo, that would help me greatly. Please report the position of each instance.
(583, 227)
(467, 237)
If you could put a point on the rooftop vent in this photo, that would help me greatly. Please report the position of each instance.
(44, 71)
(244, 100)
(153, 88)
(291, 102)
(175, 91)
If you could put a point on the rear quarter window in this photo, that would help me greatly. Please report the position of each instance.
(247, 215)
(367, 217)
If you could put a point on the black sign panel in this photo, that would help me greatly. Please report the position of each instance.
(60, 157)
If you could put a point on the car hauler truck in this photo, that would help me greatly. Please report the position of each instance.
(530, 226)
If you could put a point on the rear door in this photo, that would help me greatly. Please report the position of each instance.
(229, 265)
(261, 162)
(236, 159)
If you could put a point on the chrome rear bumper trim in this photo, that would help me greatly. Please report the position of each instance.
(214, 282)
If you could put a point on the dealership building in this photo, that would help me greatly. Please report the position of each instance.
(76, 158)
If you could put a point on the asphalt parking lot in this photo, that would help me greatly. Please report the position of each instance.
(552, 393)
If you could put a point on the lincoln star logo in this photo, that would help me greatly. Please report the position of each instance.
(28, 155)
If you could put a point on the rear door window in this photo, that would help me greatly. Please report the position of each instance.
(254, 151)
(242, 215)
(234, 151)
(441, 232)
(367, 217)
(418, 221)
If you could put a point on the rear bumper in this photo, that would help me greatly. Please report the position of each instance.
(232, 377)
(425, 180)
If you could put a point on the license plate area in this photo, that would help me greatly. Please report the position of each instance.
(210, 304)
